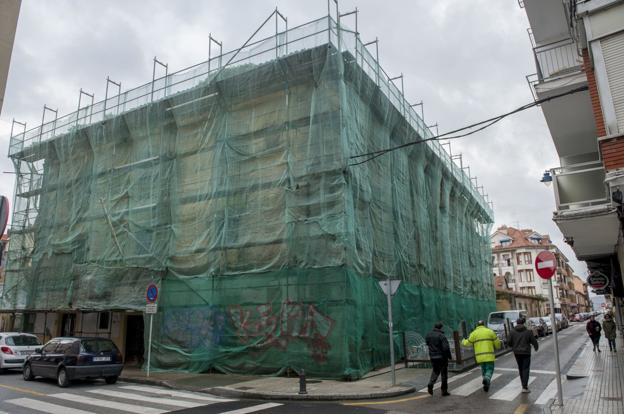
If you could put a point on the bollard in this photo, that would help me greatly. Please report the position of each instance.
(302, 382)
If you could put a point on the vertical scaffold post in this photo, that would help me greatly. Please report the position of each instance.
(11, 144)
(90, 95)
(402, 92)
(55, 111)
(278, 16)
(355, 13)
(118, 85)
(376, 42)
(338, 27)
(212, 40)
(164, 65)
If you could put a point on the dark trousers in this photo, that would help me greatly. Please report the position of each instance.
(611, 344)
(440, 366)
(524, 366)
(596, 341)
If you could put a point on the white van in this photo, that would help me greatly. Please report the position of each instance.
(496, 320)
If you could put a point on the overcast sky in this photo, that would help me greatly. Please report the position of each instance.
(467, 60)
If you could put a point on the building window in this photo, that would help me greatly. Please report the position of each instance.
(519, 259)
(519, 275)
(104, 320)
(527, 258)
(529, 276)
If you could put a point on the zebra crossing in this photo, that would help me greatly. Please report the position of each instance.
(505, 385)
(127, 398)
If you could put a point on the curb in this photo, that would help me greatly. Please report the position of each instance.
(234, 393)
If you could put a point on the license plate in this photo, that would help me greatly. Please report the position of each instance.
(101, 359)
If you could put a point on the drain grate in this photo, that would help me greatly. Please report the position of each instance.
(611, 398)
(244, 388)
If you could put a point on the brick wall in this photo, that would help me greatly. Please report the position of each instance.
(612, 151)
(593, 93)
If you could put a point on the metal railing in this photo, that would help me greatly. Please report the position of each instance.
(557, 59)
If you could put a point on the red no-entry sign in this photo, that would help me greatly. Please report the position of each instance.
(546, 264)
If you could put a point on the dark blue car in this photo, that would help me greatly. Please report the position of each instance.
(68, 358)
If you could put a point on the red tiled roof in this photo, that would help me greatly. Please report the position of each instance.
(520, 238)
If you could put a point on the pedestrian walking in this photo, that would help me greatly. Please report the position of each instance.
(440, 355)
(593, 329)
(610, 332)
(485, 342)
(520, 341)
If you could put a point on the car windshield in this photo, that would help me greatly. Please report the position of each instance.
(497, 318)
(22, 340)
(535, 320)
(94, 346)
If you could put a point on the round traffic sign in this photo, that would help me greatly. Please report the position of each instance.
(546, 264)
(598, 280)
(151, 294)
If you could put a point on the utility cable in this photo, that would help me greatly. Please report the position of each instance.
(480, 126)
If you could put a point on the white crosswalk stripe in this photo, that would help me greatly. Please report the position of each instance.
(510, 391)
(472, 386)
(454, 378)
(139, 399)
(131, 408)
(252, 409)
(145, 398)
(45, 406)
(549, 392)
(173, 393)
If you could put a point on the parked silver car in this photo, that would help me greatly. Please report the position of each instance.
(15, 347)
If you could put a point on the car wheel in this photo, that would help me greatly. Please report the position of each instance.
(27, 373)
(61, 378)
(110, 380)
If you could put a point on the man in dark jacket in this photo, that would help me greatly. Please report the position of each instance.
(440, 354)
(593, 330)
(520, 341)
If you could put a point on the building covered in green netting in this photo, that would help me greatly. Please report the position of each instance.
(231, 186)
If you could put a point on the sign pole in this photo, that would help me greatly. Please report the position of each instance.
(390, 328)
(151, 307)
(149, 344)
(556, 343)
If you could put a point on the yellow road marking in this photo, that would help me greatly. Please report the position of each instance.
(521, 409)
(24, 390)
(420, 397)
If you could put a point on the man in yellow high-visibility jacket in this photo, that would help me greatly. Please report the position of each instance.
(485, 342)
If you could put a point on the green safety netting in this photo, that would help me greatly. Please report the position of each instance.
(233, 191)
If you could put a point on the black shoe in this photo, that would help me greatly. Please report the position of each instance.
(430, 389)
(486, 385)
(445, 394)
(599, 350)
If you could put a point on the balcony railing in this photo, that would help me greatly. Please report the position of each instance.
(580, 185)
(557, 59)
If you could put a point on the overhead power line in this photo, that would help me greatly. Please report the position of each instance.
(473, 128)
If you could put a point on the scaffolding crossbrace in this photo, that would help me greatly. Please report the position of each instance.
(227, 183)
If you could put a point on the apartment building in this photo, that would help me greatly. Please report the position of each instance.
(513, 256)
(579, 55)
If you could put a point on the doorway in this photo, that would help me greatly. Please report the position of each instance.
(68, 324)
(135, 346)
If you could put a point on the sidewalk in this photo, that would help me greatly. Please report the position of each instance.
(601, 374)
(376, 384)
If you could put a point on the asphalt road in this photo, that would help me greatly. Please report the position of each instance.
(20, 397)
